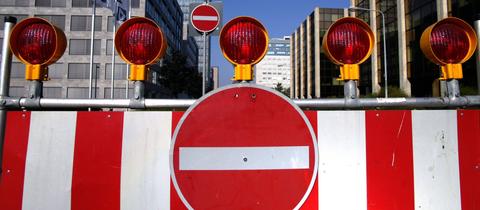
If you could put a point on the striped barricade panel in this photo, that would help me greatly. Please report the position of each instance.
(373, 160)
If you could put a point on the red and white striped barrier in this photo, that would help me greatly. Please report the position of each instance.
(375, 160)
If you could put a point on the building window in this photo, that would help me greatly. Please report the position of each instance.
(52, 92)
(2, 16)
(81, 71)
(81, 3)
(57, 20)
(16, 91)
(88, 3)
(110, 21)
(109, 47)
(117, 92)
(120, 71)
(135, 3)
(14, 3)
(82, 47)
(17, 70)
(80, 92)
(50, 3)
(56, 71)
(84, 23)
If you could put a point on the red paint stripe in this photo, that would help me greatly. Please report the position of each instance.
(175, 202)
(389, 160)
(97, 161)
(312, 201)
(469, 157)
(14, 156)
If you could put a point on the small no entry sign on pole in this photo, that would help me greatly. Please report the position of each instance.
(205, 18)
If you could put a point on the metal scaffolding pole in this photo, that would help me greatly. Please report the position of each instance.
(5, 77)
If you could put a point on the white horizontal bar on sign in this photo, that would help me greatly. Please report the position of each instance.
(244, 158)
(206, 18)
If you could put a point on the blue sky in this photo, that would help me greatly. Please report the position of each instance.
(280, 18)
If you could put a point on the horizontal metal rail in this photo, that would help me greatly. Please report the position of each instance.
(319, 104)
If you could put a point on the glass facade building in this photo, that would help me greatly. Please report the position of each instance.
(469, 11)
(70, 75)
(422, 72)
(313, 75)
(421, 75)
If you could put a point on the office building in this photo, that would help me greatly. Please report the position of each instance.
(190, 51)
(275, 66)
(185, 6)
(215, 77)
(408, 68)
(312, 74)
(70, 75)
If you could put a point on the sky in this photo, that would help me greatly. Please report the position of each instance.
(280, 17)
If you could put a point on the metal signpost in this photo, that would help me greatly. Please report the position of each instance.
(5, 77)
(205, 19)
(384, 44)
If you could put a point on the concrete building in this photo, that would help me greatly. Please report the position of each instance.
(275, 66)
(215, 77)
(312, 74)
(70, 75)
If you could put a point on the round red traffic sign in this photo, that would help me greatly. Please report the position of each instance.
(244, 147)
(205, 18)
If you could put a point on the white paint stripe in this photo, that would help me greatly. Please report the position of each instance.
(49, 162)
(205, 18)
(435, 152)
(342, 174)
(244, 158)
(145, 179)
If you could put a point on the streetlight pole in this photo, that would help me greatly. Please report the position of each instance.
(384, 44)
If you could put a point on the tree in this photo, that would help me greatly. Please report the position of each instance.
(179, 78)
(280, 88)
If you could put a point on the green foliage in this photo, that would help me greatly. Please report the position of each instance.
(392, 92)
(281, 89)
(468, 91)
(179, 78)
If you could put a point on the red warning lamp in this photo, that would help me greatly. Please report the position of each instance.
(348, 42)
(449, 43)
(244, 42)
(140, 42)
(37, 43)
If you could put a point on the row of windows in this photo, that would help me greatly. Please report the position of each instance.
(274, 73)
(270, 78)
(75, 71)
(19, 18)
(278, 53)
(77, 23)
(48, 92)
(82, 92)
(72, 92)
(55, 3)
(166, 22)
(82, 47)
(278, 45)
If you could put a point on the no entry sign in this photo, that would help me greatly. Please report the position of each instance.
(205, 18)
(243, 147)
